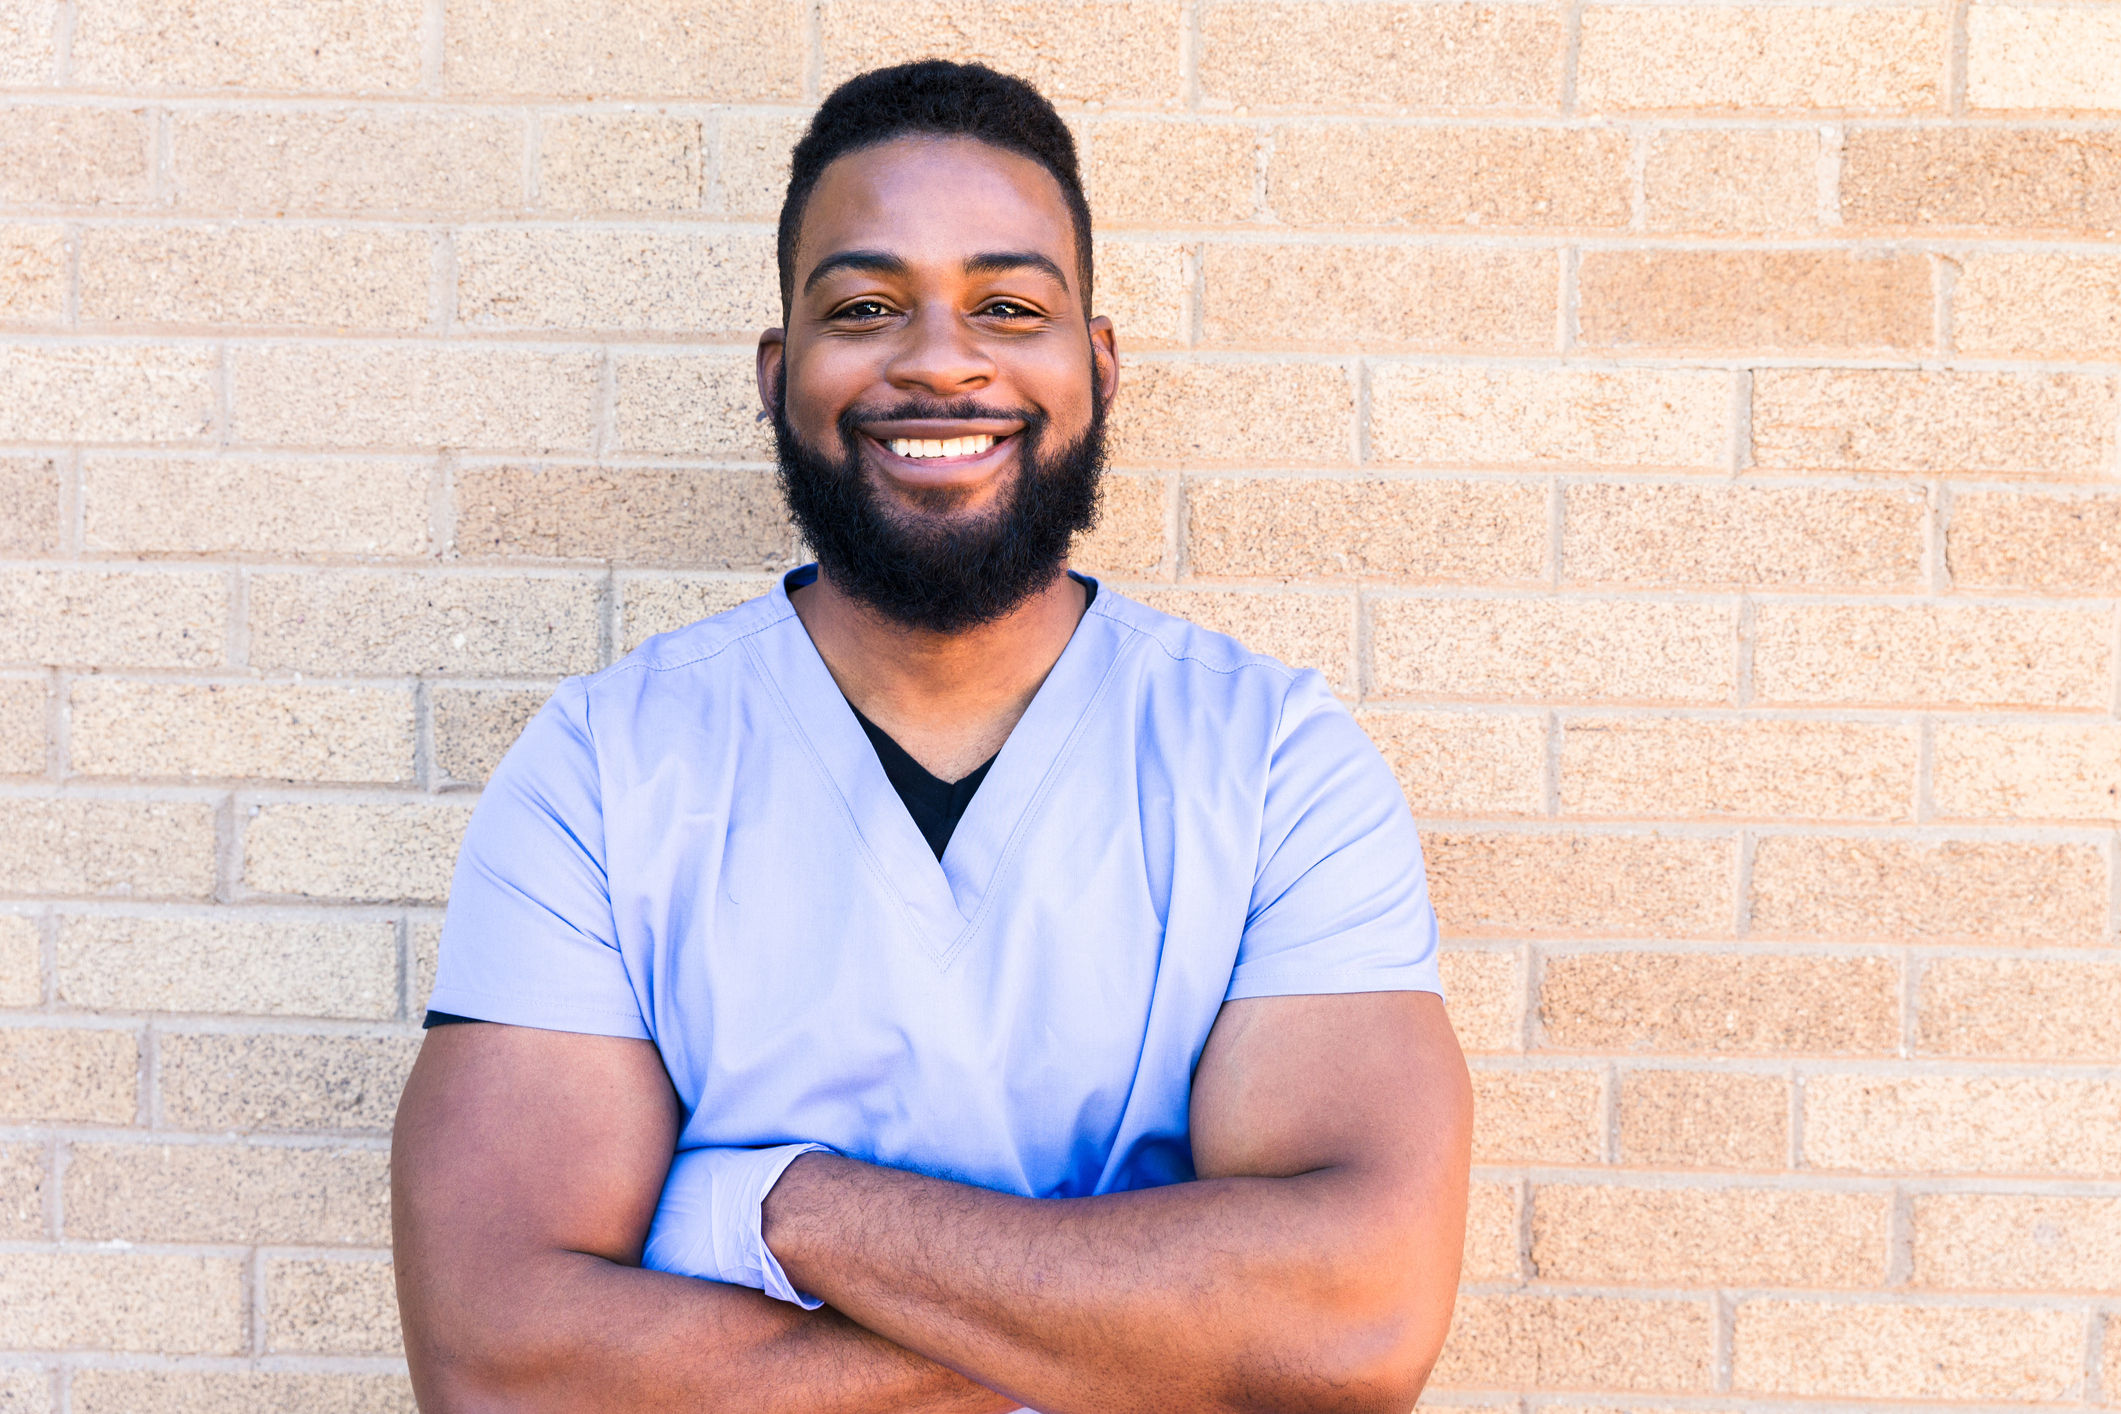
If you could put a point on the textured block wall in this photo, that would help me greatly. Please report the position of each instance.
(1685, 432)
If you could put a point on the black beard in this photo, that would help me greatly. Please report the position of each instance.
(941, 577)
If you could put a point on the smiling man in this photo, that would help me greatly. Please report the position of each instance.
(942, 984)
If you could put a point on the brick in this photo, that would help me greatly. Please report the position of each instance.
(475, 726)
(423, 951)
(1448, 57)
(1988, 891)
(1302, 630)
(683, 517)
(1458, 763)
(255, 275)
(1704, 1119)
(359, 162)
(2011, 305)
(1404, 531)
(33, 274)
(73, 1076)
(77, 157)
(1948, 1124)
(2019, 1008)
(113, 619)
(1932, 655)
(364, 46)
(1129, 540)
(1903, 1352)
(332, 1308)
(2017, 181)
(1143, 287)
(1491, 1233)
(90, 393)
(751, 151)
(2044, 771)
(21, 727)
(28, 55)
(265, 730)
(1118, 52)
(128, 1302)
(707, 53)
(1450, 178)
(1616, 1236)
(1785, 301)
(2026, 57)
(1485, 991)
(1647, 885)
(24, 1174)
(691, 405)
(284, 507)
(112, 848)
(1681, 767)
(1253, 413)
(1537, 1117)
(1451, 298)
(21, 962)
(1763, 59)
(231, 963)
(29, 505)
(238, 1392)
(352, 851)
(2016, 1242)
(572, 278)
(1725, 181)
(1578, 1342)
(410, 396)
(619, 162)
(653, 606)
(1951, 424)
(1651, 535)
(2054, 544)
(243, 1193)
(1691, 1003)
(1620, 418)
(473, 625)
(280, 1082)
(1572, 649)
(1180, 173)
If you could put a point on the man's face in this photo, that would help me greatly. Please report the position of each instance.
(937, 309)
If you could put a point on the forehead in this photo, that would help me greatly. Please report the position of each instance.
(934, 201)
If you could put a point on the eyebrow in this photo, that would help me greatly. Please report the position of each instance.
(883, 262)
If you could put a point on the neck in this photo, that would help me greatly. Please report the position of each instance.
(950, 699)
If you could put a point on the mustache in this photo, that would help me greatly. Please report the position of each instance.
(919, 409)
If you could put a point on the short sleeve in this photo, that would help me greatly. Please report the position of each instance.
(529, 939)
(1340, 903)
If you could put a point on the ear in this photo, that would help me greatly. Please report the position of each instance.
(772, 366)
(1104, 357)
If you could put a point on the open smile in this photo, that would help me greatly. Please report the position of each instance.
(937, 451)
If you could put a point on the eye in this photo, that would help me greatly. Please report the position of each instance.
(863, 310)
(1009, 309)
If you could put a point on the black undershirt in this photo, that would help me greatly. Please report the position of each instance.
(935, 804)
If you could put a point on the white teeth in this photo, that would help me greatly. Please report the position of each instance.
(932, 447)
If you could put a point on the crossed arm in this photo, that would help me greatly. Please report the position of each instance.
(1311, 1265)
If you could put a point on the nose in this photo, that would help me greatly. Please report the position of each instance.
(940, 355)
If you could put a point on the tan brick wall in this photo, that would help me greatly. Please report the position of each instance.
(1688, 434)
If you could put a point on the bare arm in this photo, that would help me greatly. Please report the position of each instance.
(1312, 1266)
(524, 1174)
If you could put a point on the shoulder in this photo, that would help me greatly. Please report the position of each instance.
(1206, 666)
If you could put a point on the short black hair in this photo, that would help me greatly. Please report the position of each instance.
(939, 98)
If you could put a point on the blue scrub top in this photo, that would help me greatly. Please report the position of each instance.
(698, 846)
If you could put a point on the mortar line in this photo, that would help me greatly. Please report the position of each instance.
(1796, 1148)
(813, 87)
(1740, 414)
(1527, 1270)
(60, 1157)
(1911, 969)
(1532, 967)
(2095, 1335)
(404, 927)
(1723, 1323)
(1900, 1240)
(1955, 61)
(1557, 530)
(442, 510)
(1944, 280)
(149, 1112)
(1551, 765)
(64, 20)
(1609, 1112)
(433, 46)
(441, 281)
(1189, 44)
(1925, 768)
(1833, 146)
(1173, 559)
(1565, 322)
(71, 235)
(48, 959)
(603, 435)
(1936, 539)
(1361, 375)
(228, 850)
(1571, 55)
(162, 186)
(1742, 886)
(58, 724)
(424, 775)
(1639, 135)
(224, 395)
(257, 1297)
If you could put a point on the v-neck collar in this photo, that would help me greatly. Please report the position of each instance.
(945, 901)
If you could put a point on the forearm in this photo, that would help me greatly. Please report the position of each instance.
(1276, 1294)
(566, 1331)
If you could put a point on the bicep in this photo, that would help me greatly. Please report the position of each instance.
(1364, 1081)
(512, 1141)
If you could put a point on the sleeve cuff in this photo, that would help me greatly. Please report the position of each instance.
(710, 1222)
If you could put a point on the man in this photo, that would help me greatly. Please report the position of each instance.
(1042, 984)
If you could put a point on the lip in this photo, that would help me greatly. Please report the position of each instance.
(941, 472)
